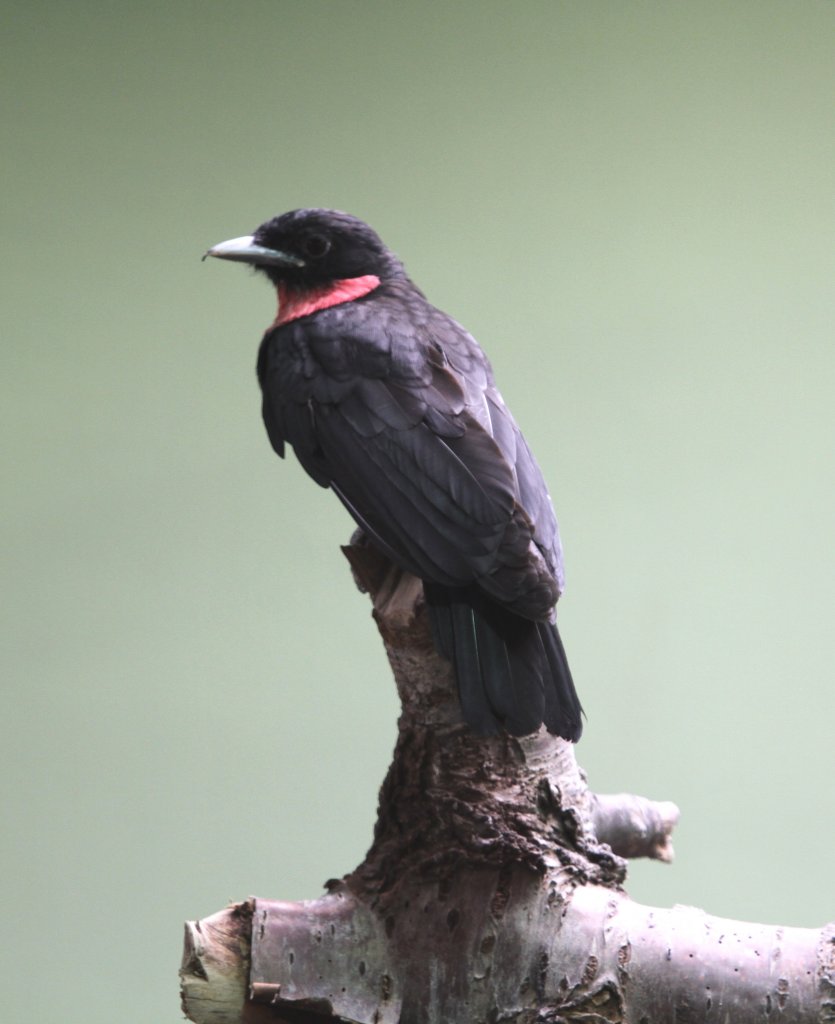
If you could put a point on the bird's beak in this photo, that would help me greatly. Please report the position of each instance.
(247, 250)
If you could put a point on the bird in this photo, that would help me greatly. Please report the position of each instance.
(389, 402)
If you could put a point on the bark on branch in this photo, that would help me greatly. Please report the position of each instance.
(493, 891)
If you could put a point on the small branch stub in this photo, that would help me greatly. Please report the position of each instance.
(634, 826)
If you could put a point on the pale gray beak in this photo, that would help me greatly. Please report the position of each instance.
(246, 250)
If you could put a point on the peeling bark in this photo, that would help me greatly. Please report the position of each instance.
(493, 892)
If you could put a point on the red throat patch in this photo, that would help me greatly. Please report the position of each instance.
(293, 304)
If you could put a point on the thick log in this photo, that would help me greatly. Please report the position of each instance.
(506, 947)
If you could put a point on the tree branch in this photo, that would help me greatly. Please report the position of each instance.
(492, 891)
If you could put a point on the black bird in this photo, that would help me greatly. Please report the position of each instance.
(392, 404)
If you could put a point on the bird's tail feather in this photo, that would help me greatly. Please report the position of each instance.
(563, 711)
(512, 673)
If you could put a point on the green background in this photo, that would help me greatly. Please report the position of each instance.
(631, 206)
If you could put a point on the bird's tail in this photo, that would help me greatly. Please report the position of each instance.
(512, 672)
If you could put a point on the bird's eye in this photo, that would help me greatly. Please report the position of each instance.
(315, 246)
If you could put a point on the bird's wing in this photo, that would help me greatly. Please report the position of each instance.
(441, 496)
(406, 426)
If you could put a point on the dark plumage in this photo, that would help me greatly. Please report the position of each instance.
(392, 404)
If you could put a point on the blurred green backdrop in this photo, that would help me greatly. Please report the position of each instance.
(631, 206)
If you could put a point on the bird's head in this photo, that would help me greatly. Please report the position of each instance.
(306, 249)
